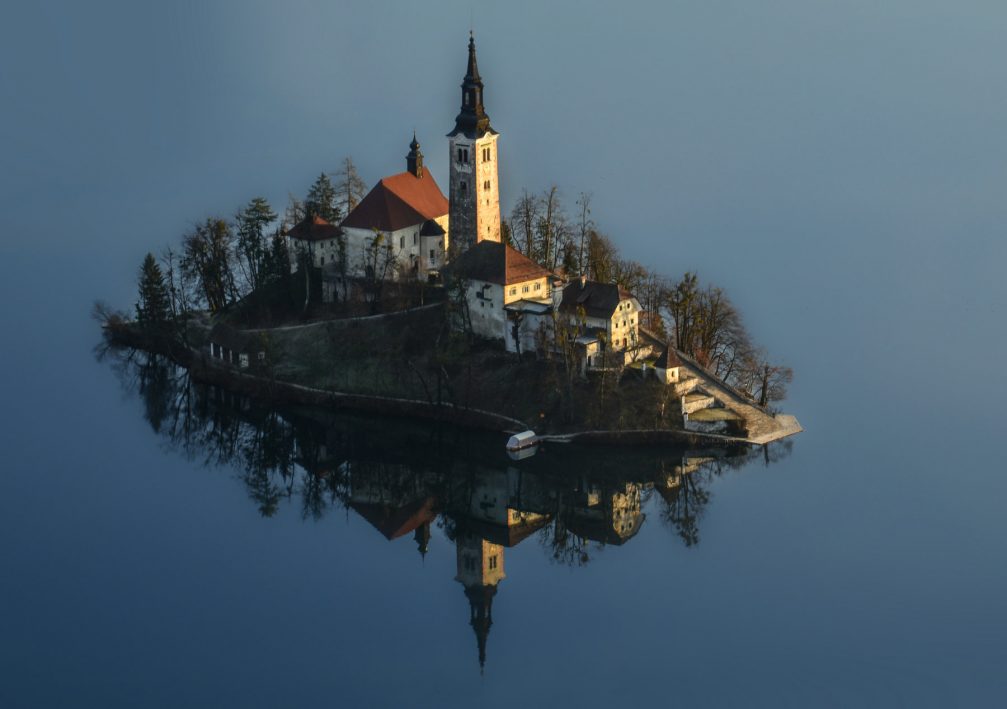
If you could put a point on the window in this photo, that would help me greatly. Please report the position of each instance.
(525, 289)
(415, 236)
(402, 242)
(486, 154)
(323, 261)
(513, 291)
(486, 185)
(538, 286)
(433, 255)
(493, 562)
(262, 356)
(462, 187)
(463, 156)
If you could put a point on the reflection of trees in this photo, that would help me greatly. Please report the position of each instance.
(323, 461)
(684, 505)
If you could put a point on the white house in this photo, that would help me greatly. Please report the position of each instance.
(496, 277)
(606, 316)
(668, 366)
(408, 214)
(316, 237)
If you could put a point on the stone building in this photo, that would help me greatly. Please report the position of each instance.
(494, 275)
(610, 514)
(408, 216)
(316, 238)
(473, 158)
(605, 315)
(668, 366)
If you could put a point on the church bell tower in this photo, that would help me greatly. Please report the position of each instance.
(474, 189)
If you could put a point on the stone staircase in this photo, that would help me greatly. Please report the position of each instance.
(696, 400)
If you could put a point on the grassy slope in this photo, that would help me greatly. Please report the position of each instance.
(396, 356)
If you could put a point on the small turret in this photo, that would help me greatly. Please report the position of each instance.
(414, 160)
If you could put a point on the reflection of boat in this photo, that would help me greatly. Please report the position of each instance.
(525, 439)
(522, 453)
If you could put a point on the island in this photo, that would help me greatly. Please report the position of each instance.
(400, 301)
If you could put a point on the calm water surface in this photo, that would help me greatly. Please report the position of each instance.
(837, 167)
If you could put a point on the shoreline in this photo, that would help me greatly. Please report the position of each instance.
(208, 370)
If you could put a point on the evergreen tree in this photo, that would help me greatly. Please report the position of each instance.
(322, 200)
(253, 244)
(279, 259)
(154, 305)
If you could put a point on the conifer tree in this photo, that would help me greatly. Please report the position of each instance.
(154, 305)
(322, 200)
(253, 244)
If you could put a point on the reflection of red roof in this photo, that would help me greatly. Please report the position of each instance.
(399, 201)
(313, 229)
(493, 262)
(504, 535)
(393, 522)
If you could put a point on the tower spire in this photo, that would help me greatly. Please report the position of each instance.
(414, 160)
(472, 120)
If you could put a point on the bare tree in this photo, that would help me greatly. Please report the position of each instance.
(523, 222)
(207, 262)
(350, 188)
(585, 225)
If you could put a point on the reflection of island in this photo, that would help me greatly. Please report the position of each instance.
(404, 477)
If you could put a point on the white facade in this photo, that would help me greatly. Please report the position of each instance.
(486, 303)
(323, 252)
(413, 252)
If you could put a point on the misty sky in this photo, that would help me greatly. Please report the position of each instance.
(839, 167)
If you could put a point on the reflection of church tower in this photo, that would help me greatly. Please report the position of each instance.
(480, 569)
(474, 191)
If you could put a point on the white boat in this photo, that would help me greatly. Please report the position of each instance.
(525, 439)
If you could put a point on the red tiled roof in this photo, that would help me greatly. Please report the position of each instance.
(313, 229)
(493, 262)
(399, 201)
(393, 522)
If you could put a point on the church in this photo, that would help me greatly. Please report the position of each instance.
(405, 229)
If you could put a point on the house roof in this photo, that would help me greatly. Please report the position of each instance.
(599, 300)
(503, 534)
(493, 262)
(602, 529)
(393, 522)
(431, 228)
(398, 202)
(313, 228)
(668, 359)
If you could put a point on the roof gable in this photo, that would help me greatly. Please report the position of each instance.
(668, 359)
(313, 228)
(398, 202)
(599, 300)
(493, 262)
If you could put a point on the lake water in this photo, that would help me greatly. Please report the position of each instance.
(838, 168)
